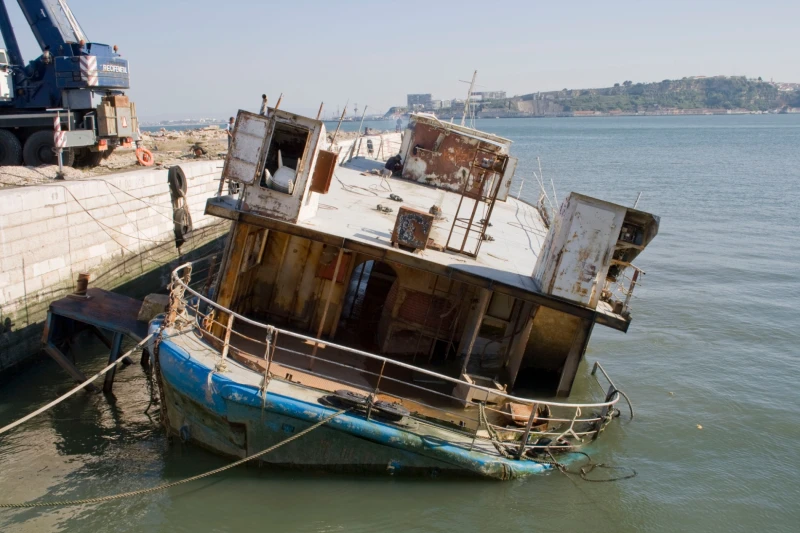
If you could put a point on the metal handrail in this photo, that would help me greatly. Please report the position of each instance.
(177, 279)
(179, 306)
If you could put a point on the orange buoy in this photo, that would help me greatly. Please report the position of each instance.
(144, 157)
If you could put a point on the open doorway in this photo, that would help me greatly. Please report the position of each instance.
(364, 302)
(286, 149)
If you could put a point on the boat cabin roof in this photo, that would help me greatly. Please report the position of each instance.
(348, 217)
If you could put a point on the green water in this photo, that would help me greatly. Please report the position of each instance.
(714, 342)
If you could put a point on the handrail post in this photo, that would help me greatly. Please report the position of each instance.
(376, 390)
(630, 290)
(528, 426)
(318, 340)
(228, 328)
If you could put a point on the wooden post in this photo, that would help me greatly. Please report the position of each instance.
(528, 427)
(579, 343)
(634, 279)
(228, 328)
(116, 347)
(53, 325)
(327, 305)
(473, 325)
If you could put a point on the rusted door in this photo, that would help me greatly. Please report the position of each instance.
(242, 163)
(323, 171)
(508, 177)
(585, 253)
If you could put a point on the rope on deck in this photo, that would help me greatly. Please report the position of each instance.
(175, 483)
(76, 389)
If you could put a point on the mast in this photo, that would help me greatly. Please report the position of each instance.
(469, 95)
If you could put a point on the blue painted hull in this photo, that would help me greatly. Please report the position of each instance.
(233, 419)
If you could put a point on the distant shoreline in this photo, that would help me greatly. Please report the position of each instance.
(687, 113)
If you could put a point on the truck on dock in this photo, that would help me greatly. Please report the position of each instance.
(71, 97)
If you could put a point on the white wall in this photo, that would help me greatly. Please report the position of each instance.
(115, 227)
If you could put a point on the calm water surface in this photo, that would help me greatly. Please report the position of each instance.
(714, 343)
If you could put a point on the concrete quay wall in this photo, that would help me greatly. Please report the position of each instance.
(117, 227)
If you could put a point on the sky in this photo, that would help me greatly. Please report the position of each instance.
(208, 58)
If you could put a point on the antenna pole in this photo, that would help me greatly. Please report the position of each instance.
(469, 95)
(555, 197)
(339, 125)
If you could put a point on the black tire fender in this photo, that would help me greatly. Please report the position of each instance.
(183, 221)
(177, 182)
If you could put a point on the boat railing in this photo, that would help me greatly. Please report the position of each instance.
(472, 410)
(379, 147)
(621, 289)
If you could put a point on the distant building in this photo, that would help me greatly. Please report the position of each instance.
(419, 100)
(490, 95)
(445, 104)
(435, 104)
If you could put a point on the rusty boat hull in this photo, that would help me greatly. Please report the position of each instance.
(232, 418)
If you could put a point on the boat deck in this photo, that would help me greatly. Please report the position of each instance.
(516, 227)
(348, 214)
(313, 385)
(334, 369)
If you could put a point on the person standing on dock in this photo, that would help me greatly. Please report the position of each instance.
(229, 131)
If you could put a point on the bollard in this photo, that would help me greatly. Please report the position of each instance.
(82, 285)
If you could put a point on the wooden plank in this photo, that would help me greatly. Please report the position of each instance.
(116, 347)
(67, 365)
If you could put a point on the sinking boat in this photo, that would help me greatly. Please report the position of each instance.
(435, 322)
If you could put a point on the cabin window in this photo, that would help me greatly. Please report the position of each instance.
(500, 306)
(283, 163)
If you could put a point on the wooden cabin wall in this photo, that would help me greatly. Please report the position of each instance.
(412, 307)
(553, 335)
(289, 287)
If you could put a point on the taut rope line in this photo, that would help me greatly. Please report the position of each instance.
(174, 483)
(73, 391)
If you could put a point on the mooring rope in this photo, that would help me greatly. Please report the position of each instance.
(73, 391)
(174, 483)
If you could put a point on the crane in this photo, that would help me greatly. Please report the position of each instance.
(75, 83)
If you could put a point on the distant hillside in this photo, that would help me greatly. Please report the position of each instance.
(687, 96)
(688, 93)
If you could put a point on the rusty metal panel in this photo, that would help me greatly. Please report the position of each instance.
(326, 270)
(508, 177)
(440, 155)
(578, 249)
(242, 163)
(323, 172)
(412, 228)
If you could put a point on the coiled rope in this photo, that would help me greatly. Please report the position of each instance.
(175, 483)
(76, 389)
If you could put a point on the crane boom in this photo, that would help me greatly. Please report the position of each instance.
(82, 78)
